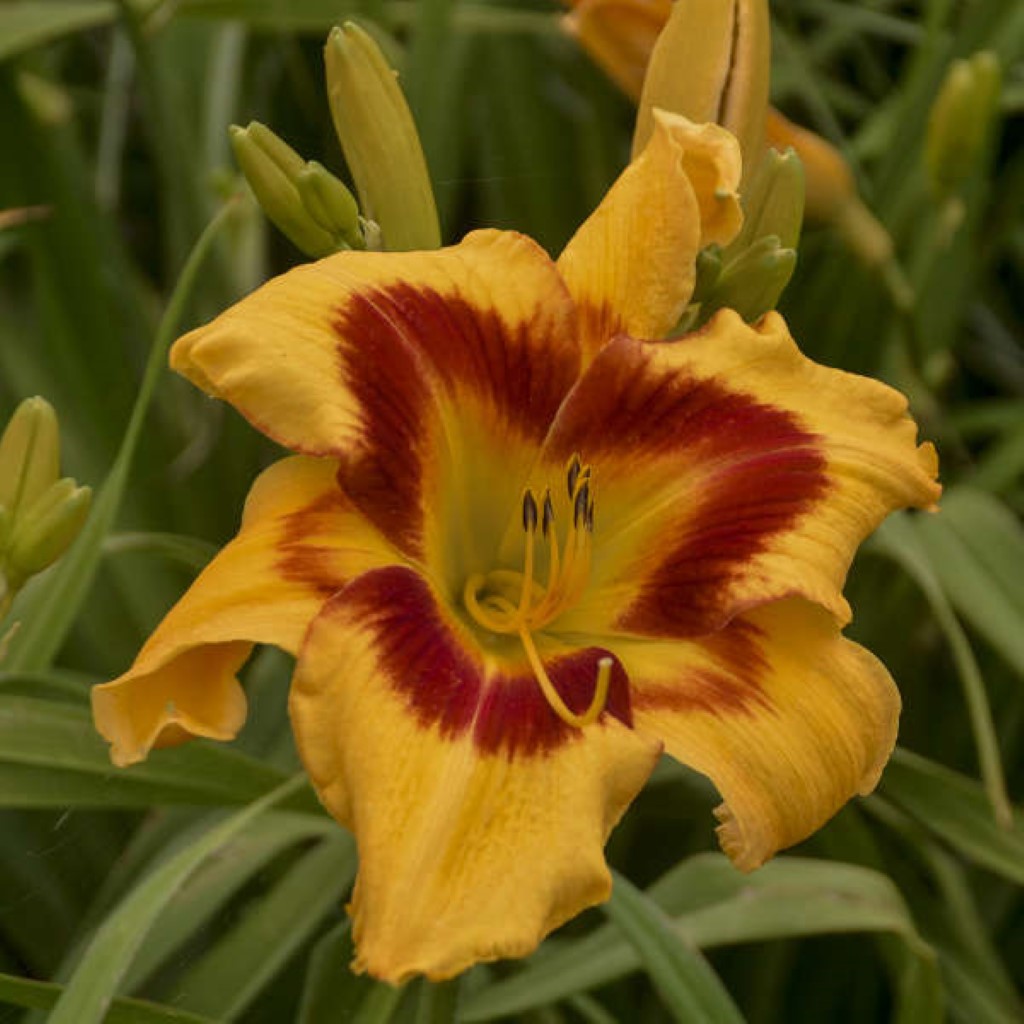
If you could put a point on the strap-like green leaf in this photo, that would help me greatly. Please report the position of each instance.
(689, 987)
(92, 987)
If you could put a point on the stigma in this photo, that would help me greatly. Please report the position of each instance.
(509, 602)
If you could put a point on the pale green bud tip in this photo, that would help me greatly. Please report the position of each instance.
(773, 203)
(330, 204)
(961, 121)
(29, 454)
(47, 529)
(270, 167)
(380, 142)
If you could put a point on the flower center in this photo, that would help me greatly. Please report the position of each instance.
(505, 601)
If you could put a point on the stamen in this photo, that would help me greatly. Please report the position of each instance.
(579, 506)
(597, 702)
(493, 619)
(489, 597)
(573, 474)
(548, 518)
(529, 511)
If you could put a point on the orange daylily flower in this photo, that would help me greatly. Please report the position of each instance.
(521, 552)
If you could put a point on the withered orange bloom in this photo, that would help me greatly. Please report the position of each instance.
(524, 548)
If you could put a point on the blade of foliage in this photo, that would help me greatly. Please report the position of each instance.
(191, 552)
(963, 555)
(227, 979)
(91, 989)
(25, 25)
(332, 994)
(954, 808)
(689, 987)
(213, 886)
(42, 740)
(712, 904)
(42, 995)
(902, 538)
(47, 621)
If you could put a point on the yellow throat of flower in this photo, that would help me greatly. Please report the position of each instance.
(509, 602)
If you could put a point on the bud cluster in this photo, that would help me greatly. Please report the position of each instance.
(310, 205)
(750, 274)
(41, 512)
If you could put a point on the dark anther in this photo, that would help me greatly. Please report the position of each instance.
(579, 509)
(548, 516)
(529, 511)
(574, 474)
(588, 522)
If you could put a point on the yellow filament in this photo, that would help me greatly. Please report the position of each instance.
(527, 591)
(482, 615)
(597, 702)
(566, 577)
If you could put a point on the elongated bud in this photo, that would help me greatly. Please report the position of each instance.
(961, 121)
(271, 167)
(711, 63)
(832, 198)
(46, 529)
(29, 455)
(773, 203)
(380, 142)
(330, 204)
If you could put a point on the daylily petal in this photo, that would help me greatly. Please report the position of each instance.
(787, 717)
(354, 356)
(300, 542)
(631, 266)
(619, 36)
(480, 816)
(729, 470)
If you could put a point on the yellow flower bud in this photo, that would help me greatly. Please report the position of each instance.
(29, 455)
(711, 63)
(270, 167)
(46, 529)
(380, 142)
(961, 121)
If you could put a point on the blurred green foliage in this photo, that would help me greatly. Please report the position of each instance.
(115, 156)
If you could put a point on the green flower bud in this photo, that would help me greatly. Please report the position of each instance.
(961, 121)
(380, 142)
(29, 455)
(271, 168)
(709, 268)
(753, 282)
(46, 529)
(330, 204)
(773, 202)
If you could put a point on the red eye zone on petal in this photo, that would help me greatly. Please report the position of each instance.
(449, 689)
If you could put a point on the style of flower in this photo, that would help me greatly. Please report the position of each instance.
(522, 552)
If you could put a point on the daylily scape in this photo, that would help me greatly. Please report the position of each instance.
(525, 546)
